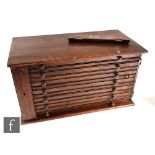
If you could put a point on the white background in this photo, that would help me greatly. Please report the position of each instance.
(129, 130)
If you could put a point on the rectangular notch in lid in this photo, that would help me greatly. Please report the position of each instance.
(97, 40)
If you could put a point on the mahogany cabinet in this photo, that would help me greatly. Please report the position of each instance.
(69, 74)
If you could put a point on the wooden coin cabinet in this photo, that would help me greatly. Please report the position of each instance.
(69, 74)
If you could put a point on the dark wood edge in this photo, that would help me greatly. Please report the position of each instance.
(124, 55)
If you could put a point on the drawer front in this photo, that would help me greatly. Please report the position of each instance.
(63, 88)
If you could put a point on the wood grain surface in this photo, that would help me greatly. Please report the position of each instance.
(57, 50)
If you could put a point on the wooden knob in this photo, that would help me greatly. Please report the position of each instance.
(119, 57)
(130, 76)
(42, 67)
(117, 65)
(140, 62)
(46, 114)
(43, 84)
(43, 75)
(126, 76)
(113, 103)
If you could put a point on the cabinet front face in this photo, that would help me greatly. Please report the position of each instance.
(49, 91)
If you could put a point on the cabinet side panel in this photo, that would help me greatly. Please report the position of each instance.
(24, 93)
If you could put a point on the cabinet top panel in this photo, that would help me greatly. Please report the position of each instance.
(71, 47)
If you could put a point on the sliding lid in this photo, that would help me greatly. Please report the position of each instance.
(64, 48)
